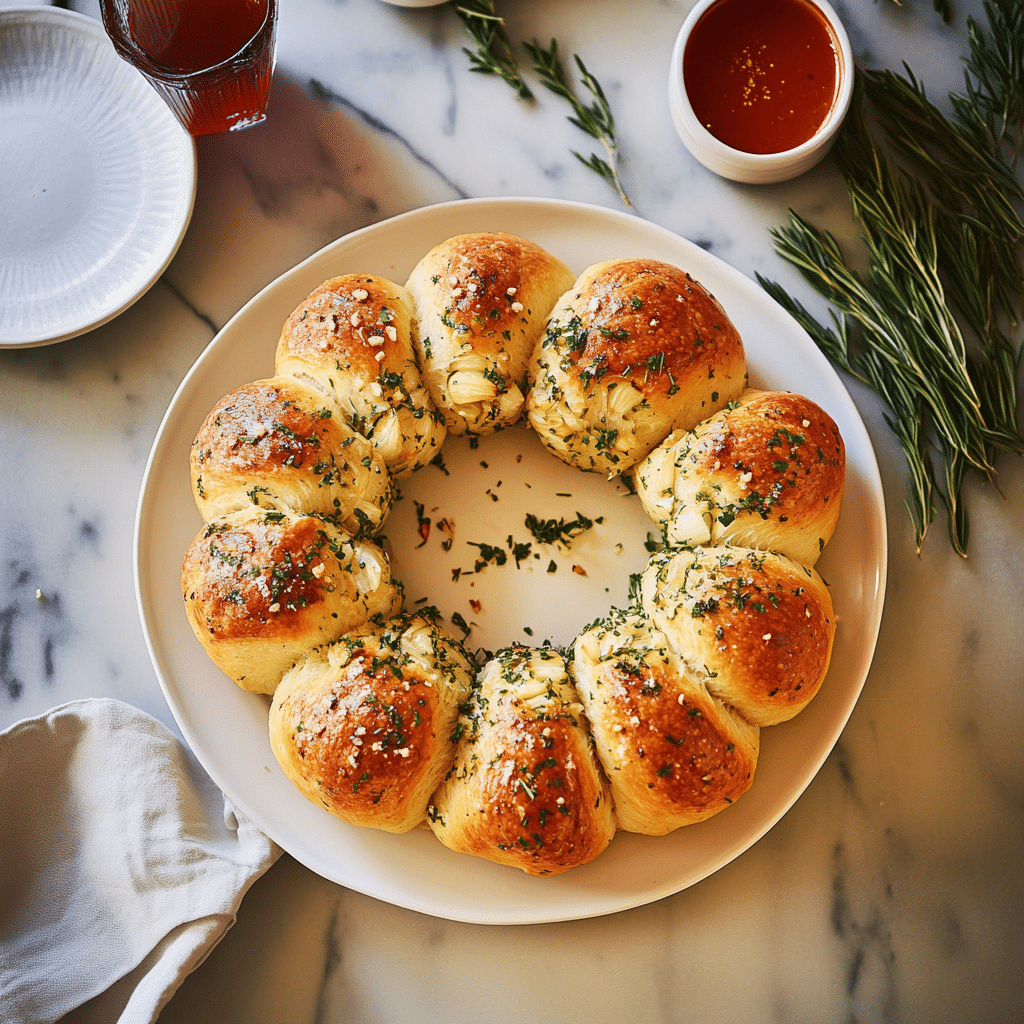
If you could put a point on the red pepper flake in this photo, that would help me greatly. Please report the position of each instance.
(422, 524)
(579, 570)
(476, 606)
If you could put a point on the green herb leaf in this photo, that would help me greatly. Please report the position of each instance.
(493, 54)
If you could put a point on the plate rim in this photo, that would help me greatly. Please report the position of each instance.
(82, 25)
(507, 206)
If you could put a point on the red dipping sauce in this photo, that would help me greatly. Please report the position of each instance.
(762, 75)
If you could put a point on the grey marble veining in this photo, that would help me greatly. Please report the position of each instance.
(893, 890)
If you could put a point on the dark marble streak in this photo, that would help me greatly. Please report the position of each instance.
(11, 684)
(332, 963)
(197, 313)
(370, 120)
(870, 955)
(22, 610)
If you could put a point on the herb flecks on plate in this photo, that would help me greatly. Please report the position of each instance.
(558, 531)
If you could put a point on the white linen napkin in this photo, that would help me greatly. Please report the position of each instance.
(121, 865)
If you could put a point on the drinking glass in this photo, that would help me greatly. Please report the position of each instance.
(211, 60)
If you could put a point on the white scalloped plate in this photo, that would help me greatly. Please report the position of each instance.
(97, 178)
(487, 492)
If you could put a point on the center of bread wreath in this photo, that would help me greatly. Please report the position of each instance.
(507, 544)
(518, 556)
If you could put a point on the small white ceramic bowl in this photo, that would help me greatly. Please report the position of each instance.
(757, 168)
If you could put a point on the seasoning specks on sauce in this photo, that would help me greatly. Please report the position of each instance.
(761, 76)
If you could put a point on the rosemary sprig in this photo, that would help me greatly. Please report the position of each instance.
(493, 54)
(905, 416)
(996, 63)
(595, 119)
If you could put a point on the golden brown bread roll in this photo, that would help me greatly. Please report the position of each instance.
(759, 625)
(354, 336)
(672, 752)
(525, 789)
(482, 300)
(634, 350)
(262, 588)
(766, 472)
(281, 444)
(364, 726)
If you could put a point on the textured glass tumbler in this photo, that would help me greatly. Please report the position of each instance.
(211, 60)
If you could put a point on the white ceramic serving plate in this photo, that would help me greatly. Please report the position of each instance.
(97, 178)
(227, 728)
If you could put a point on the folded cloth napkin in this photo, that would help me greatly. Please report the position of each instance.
(121, 865)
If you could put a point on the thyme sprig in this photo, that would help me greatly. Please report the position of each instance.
(594, 118)
(493, 54)
(943, 232)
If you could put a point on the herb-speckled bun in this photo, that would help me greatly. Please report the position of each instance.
(482, 301)
(635, 349)
(767, 472)
(525, 789)
(759, 625)
(355, 337)
(263, 587)
(282, 444)
(364, 725)
(675, 754)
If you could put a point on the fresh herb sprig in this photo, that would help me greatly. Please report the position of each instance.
(493, 54)
(595, 118)
(944, 238)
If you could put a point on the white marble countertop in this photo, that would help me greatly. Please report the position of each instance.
(894, 888)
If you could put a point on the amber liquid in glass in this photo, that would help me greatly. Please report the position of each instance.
(190, 36)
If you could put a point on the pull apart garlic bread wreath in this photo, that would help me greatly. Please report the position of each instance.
(650, 719)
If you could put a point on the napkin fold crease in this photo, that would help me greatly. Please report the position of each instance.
(121, 865)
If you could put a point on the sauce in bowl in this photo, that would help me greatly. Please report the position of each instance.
(762, 75)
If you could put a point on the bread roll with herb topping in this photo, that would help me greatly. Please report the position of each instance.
(673, 753)
(482, 301)
(364, 726)
(765, 472)
(636, 349)
(262, 588)
(525, 789)
(757, 624)
(354, 337)
(281, 444)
